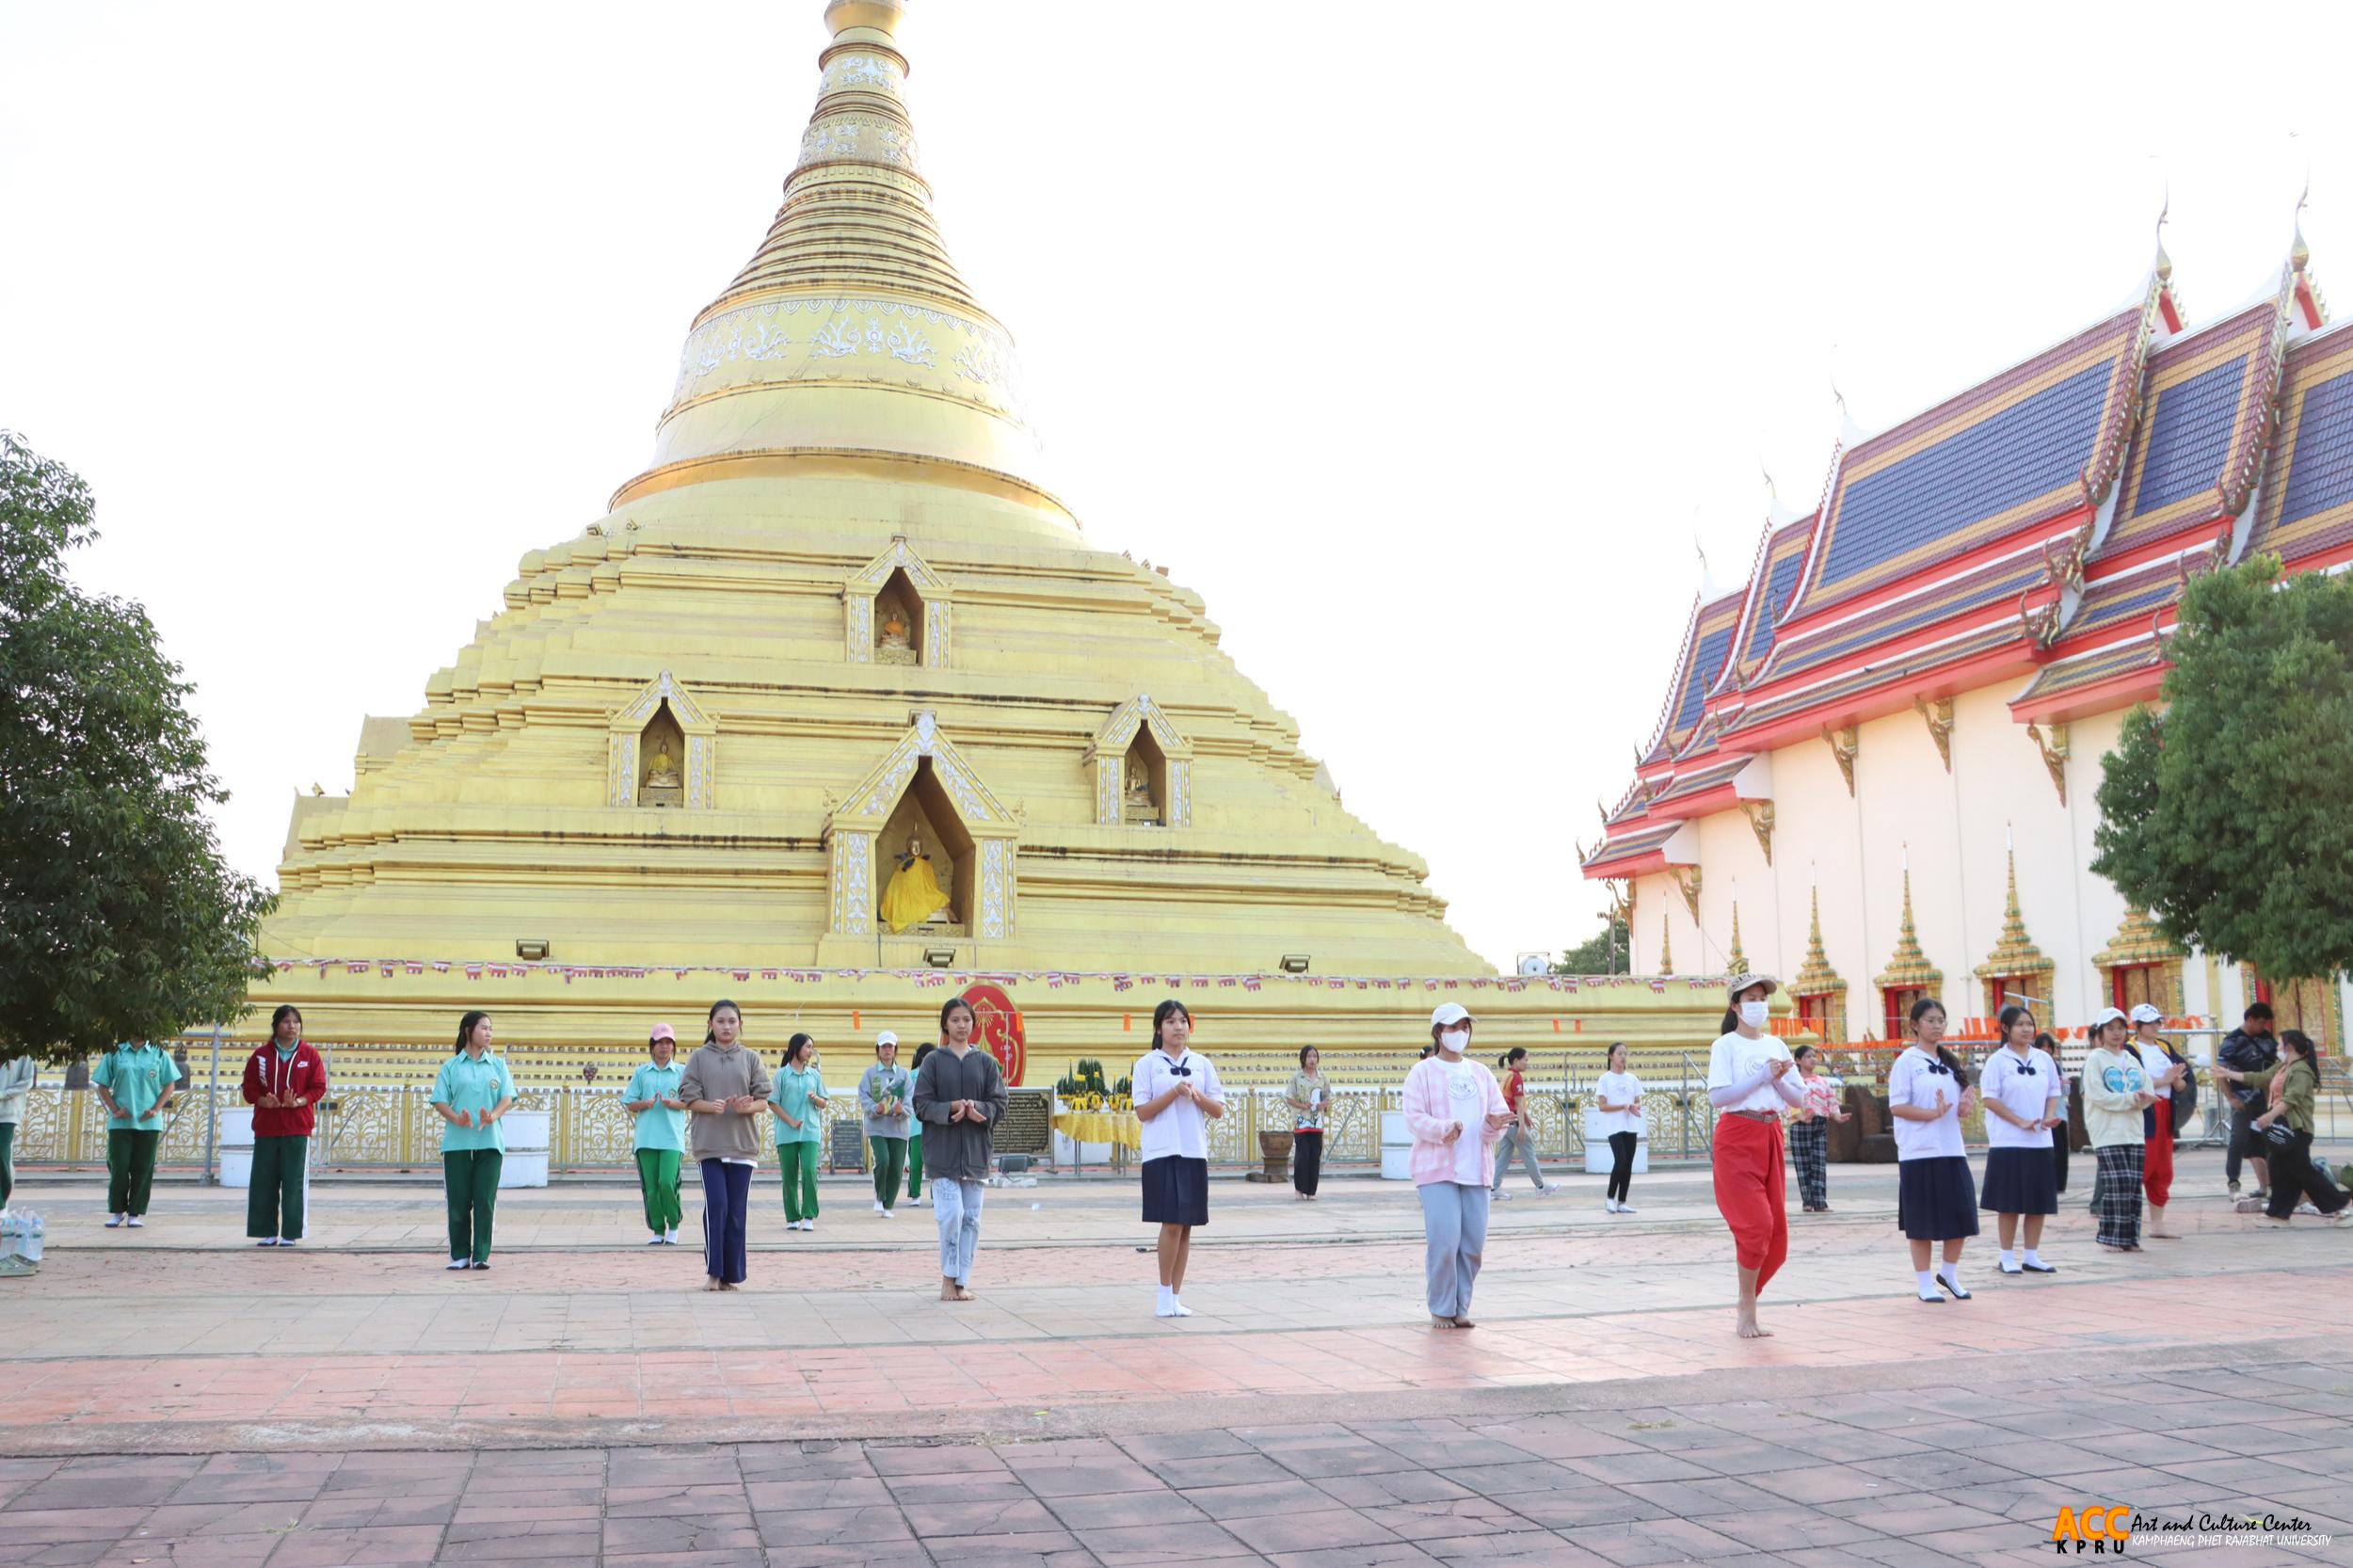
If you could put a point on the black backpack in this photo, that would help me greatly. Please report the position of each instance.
(2184, 1093)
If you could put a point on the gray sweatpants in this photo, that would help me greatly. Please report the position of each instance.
(1454, 1227)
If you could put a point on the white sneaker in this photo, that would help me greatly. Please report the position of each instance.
(669, 1238)
(890, 1214)
(878, 1208)
(457, 1263)
(1625, 1208)
(655, 1241)
(138, 1222)
(1608, 1206)
(113, 1220)
(1181, 1309)
(1500, 1197)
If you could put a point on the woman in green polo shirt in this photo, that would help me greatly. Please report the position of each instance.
(799, 1101)
(652, 1098)
(473, 1093)
(135, 1081)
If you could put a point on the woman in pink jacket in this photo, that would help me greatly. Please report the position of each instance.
(1455, 1111)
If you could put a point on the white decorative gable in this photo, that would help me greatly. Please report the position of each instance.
(628, 724)
(937, 598)
(1107, 756)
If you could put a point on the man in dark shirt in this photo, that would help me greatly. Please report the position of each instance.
(2248, 1049)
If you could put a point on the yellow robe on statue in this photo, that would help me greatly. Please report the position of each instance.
(913, 896)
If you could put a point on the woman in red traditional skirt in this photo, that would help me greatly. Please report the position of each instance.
(1750, 1075)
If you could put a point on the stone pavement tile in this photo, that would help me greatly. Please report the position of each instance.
(1532, 1475)
(966, 1486)
(2066, 1425)
(1154, 1449)
(194, 1519)
(896, 1554)
(1948, 1471)
(2033, 1456)
(1079, 1480)
(26, 1525)
(1218, 1470)
(2023, 1498)
(940, 1459)
(1270, 1535)
(2263, 1437)
(727, 1556)
(1529, 1548)
(833, 1526)
(990, 1515)
(992, 1555)
(68, 1489)
(788, 1462)
(1792, 1528)
(2335, 1460)
(501, 1512)
(1258, 1500)
(2249, 1472)
(1160, 1546)
(693, 1498)
(579, 1546)
(1619, 1469)
(1392, 1553)
(339, 1548)
(1398, 1486)
(1558, 1438)
(1649, 1540)
(1572, 1510)
(1853, 1445)
(2162, 1448)
(1831, 1484)
(1112, 1510)
(335, 1510)
(1296, 1435)
(855, 1491)
(1703, 1497)
(1450, 1519)
(1344, 1459)
(1909, 1513)
(2121, 1480)
(722, 1532)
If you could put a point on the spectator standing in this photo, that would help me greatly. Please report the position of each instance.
(725, 1088)
(882, 1103)
(1935, 1202)
(2062, 1130)
(915, 1128)
(2116, 1092)
(283, 1079)
(2287, 1090)
(1513, 1065)
(1751, 1077)
(2165, 1075)
(1176, 1095)
(1809, 1130)
(1310, 1097)
(472, 1094)
(2248, 1049)
(19, 1077)
(1618, 1106)
(659, 1139)
(2023, 1099)
(959, 1096)
(800, 1103)
(137, 1082)
(1455, 1110)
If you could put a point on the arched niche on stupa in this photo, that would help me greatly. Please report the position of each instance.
(922, 790)
(1143, 768)
(662, 749)
(896, 610)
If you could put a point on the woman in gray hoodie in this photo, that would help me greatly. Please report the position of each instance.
(726, 1089)
(16, 1081)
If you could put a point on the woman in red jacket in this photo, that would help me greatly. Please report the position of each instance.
(283, 1079)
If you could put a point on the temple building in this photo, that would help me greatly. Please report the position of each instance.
(1875, 768)
(837, 704)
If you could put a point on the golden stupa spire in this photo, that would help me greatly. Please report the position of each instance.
(1910, 970)
(1815, 978)
(849, 345)
(1666, 947)
(2015, 954)
(1736, 961)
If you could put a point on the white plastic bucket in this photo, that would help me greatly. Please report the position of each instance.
(526, 1161)
(1397, 1148)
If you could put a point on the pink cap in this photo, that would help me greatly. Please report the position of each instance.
(662, 1032)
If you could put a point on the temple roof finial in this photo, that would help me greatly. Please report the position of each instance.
(880, 16)
(2298, 252)
(2163, 263)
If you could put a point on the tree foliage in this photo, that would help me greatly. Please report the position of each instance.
(1598, 954)
(118, 918)
(2229, 816)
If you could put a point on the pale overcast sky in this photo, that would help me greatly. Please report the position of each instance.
(1422, 339)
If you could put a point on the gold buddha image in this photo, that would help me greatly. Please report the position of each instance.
(1138, 806)
(894, 642)
(662, 772)
(914, 896)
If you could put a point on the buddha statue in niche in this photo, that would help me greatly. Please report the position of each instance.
(662, 772)
(1137, 805)
(894, 628)
(914, 896)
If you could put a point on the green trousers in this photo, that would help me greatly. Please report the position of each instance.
(130, 1168)
(657, 1179)
(890, 1168)
(470, 1179)
(7, 1162)
(273, 1203)
(799, 1161)
(915, 1163)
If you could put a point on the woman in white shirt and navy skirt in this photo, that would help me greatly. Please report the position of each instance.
(1175, 1093)
(2025, 1098)
(1935, 1200)
(1750, 1075)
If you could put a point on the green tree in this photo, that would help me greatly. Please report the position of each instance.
(2227, 816)
(1606, 951)
(118, 918)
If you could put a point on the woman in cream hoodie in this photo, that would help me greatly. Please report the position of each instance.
(2116, 1089)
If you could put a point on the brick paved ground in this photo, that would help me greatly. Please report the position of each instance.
(173, 1397)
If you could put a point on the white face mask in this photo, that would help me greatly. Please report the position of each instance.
(1754, 1013)
(1455, 1040)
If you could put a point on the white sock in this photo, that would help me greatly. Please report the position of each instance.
(1928, 1286)
(1178, 1307)
(2009, 1258)
(1950, 1273)
(2033, 1257)
(1167, 1299)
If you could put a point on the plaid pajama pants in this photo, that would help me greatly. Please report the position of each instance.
(1809, 1155)
(2116, 1194)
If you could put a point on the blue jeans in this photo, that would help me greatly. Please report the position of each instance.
(956, 1204)
(727, 1198)
(1454, 1227)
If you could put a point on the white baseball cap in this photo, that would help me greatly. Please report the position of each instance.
(2106, 1017)
(1450, 1013)
(885, 1039)
(2144, 1014)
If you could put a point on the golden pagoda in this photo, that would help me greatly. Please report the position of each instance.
(839, 701)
